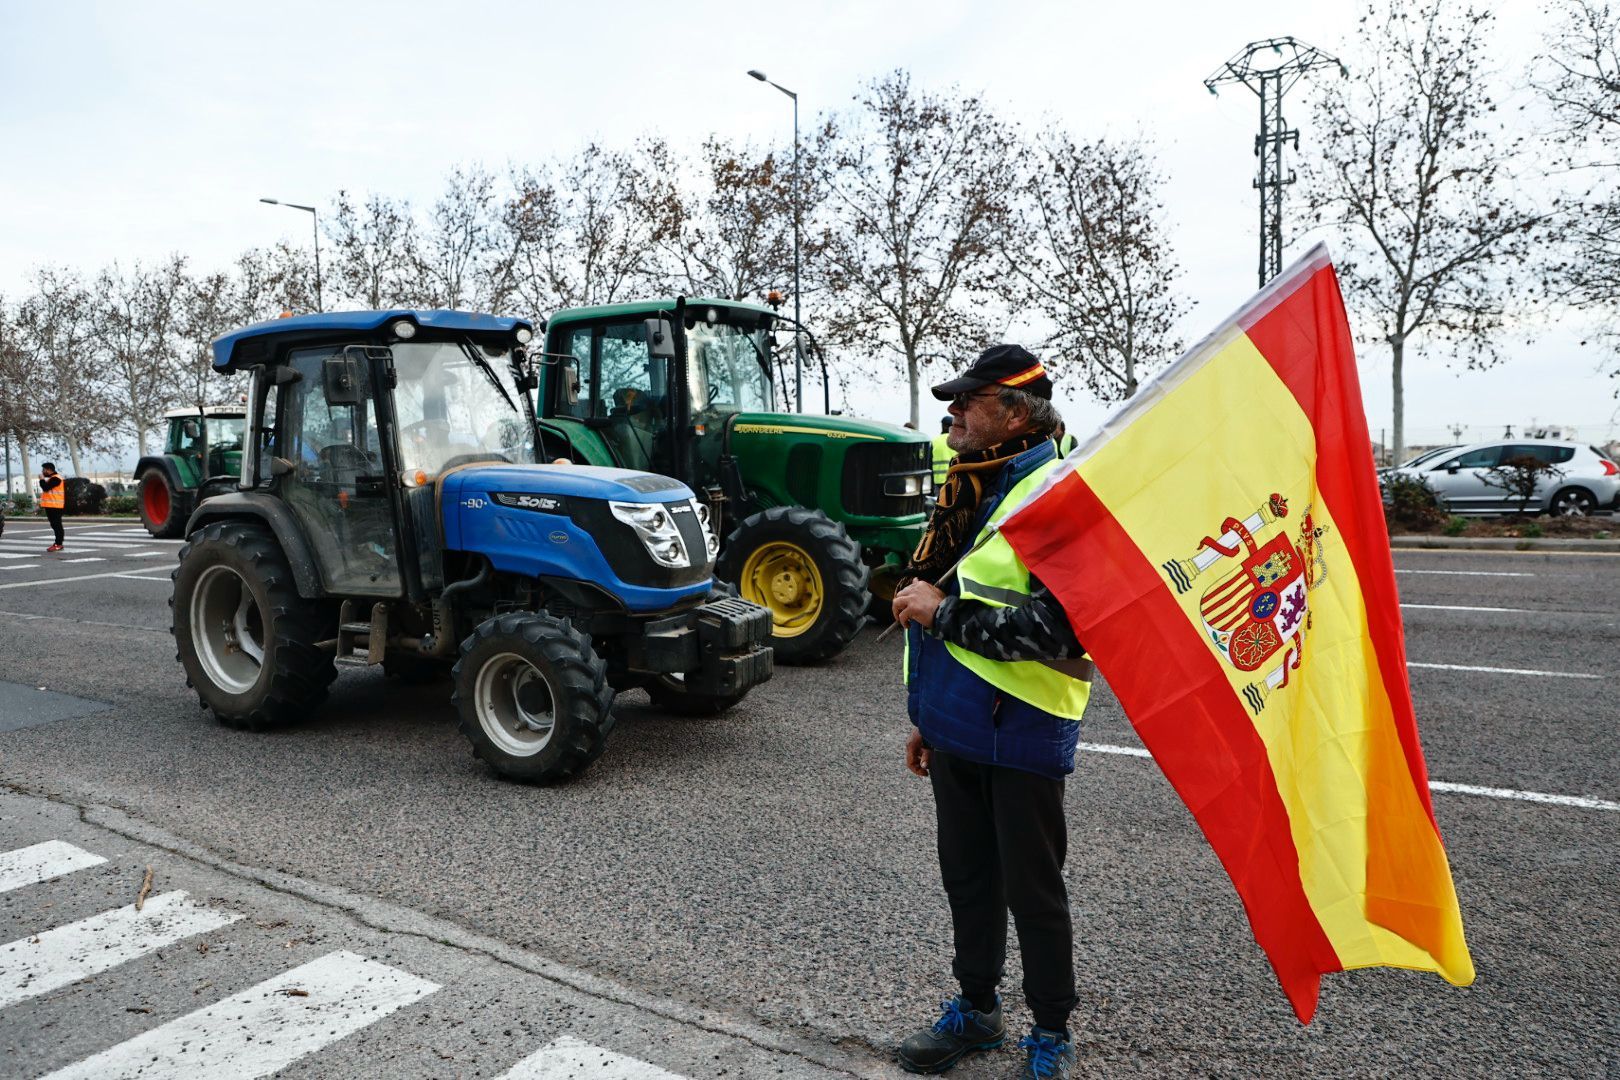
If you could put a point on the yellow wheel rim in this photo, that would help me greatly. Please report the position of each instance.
(783, 578)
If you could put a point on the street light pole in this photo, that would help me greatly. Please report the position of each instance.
(798, 332)
(315, 223)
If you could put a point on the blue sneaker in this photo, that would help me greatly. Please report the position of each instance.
(959, 1029)
(1051, 1055)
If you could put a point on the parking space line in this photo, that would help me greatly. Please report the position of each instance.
(78, 577)
(266, 1027)
(1440, 786)
(568, 1057)
(42, 862)
(1467, 573)
(1504, 670)
(44, 962)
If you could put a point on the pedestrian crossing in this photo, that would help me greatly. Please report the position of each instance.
(102, 543)
(284, 1019)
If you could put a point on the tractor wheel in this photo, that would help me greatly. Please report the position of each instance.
(245, 637)
(803, 566)
(159, 505)
(532, 697)
(669, 693)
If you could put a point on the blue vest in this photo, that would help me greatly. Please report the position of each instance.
(960, 713)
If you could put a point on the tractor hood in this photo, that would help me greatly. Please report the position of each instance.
(581, 524)
(828, 427)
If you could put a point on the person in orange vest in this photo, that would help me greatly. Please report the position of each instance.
(52, 499)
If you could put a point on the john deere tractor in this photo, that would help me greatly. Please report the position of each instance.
(202, 444)
(389, 511)
(814, 509)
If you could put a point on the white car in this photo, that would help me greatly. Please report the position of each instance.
(1581, 479)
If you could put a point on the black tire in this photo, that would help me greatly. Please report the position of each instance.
(670, 694)
(531, 653)
(159, 505)
(837, 560)
(1573, 502)
(292, 672)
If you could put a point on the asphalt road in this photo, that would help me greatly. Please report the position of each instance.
(768, 877)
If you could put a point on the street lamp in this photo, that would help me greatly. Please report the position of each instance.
(798, 330)
(316, 224)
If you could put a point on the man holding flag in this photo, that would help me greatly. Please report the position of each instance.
(996, 684)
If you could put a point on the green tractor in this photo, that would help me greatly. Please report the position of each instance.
(818, 512)
(203, 444)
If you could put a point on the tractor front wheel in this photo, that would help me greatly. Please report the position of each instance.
(245, 637)
(532, 697)
(803, 566)
(159, 505)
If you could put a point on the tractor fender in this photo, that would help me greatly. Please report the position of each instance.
(161, 461)
(273, 512)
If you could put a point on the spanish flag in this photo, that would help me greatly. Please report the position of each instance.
(1220, 548)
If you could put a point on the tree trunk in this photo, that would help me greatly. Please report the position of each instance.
(1397, 447)
(140, 440)
(912, 379)
(73, 455)
(27, 466)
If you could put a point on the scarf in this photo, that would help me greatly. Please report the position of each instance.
(956, 506)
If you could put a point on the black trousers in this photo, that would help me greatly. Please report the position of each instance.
(1002, 841)
(55, 518)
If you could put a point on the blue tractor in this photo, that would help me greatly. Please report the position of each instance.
(395, 508)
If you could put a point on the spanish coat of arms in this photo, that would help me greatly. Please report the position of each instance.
(1257, 612)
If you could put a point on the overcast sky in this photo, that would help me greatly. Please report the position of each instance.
(136, 130)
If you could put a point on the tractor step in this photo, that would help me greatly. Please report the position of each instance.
(350, 653)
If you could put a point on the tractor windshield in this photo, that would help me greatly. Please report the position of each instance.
(453, 409)
(727, 369)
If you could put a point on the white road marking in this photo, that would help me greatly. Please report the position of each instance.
(37, 965)
(265, 1028)
(1440, 786)
(1459, 607)
(140, 554)
(81, 577)
(23, 566)
(1505, 670)
(67, 562)
(1467, 573)
(10, 555)
(42, 862)
(568, 1058)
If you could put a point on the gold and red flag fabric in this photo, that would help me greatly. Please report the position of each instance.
(1220, 548)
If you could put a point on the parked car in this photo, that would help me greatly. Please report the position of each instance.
(1412, 463)
(1581, 479)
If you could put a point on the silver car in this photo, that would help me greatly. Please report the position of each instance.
(1581, 479)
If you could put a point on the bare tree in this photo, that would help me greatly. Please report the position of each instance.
(913, 192)
(135, 314)
(270, 281)
(726, 231)
(1580, 76)
(22, 386)
(578, 231)
(209, 305)
(373, 247)
(1416, 172)
(54, 323)
(463, 260)
(1092, 255)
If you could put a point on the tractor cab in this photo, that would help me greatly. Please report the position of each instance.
(203, 444)
(814, 510)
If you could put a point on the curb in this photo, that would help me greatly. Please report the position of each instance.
(1503, 543)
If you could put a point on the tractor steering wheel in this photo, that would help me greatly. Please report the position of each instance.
(340, 456)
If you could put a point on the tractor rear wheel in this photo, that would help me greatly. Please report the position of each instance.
(803, 566)
(159, 505)
(245, 637)
(532, 697)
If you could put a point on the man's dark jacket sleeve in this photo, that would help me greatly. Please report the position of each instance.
(1036, 630)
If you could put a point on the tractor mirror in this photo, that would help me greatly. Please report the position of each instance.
(191, 428)
(568, 373)
(341, 375)
(660, 339)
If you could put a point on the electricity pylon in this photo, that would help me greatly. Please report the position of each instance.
(1270, 81)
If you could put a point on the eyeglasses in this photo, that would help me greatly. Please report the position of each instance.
(964, 400)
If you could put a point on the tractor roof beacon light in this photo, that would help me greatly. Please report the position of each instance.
(524, 335)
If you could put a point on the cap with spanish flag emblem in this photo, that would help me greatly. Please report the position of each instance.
(1000, 365)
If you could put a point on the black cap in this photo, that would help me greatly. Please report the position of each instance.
(1000, 365)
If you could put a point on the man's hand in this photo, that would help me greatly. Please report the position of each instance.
(918, 756)
(917, 602)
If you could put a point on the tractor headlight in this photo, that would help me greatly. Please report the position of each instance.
(903, 486)
(710, 541)
(653, 523)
